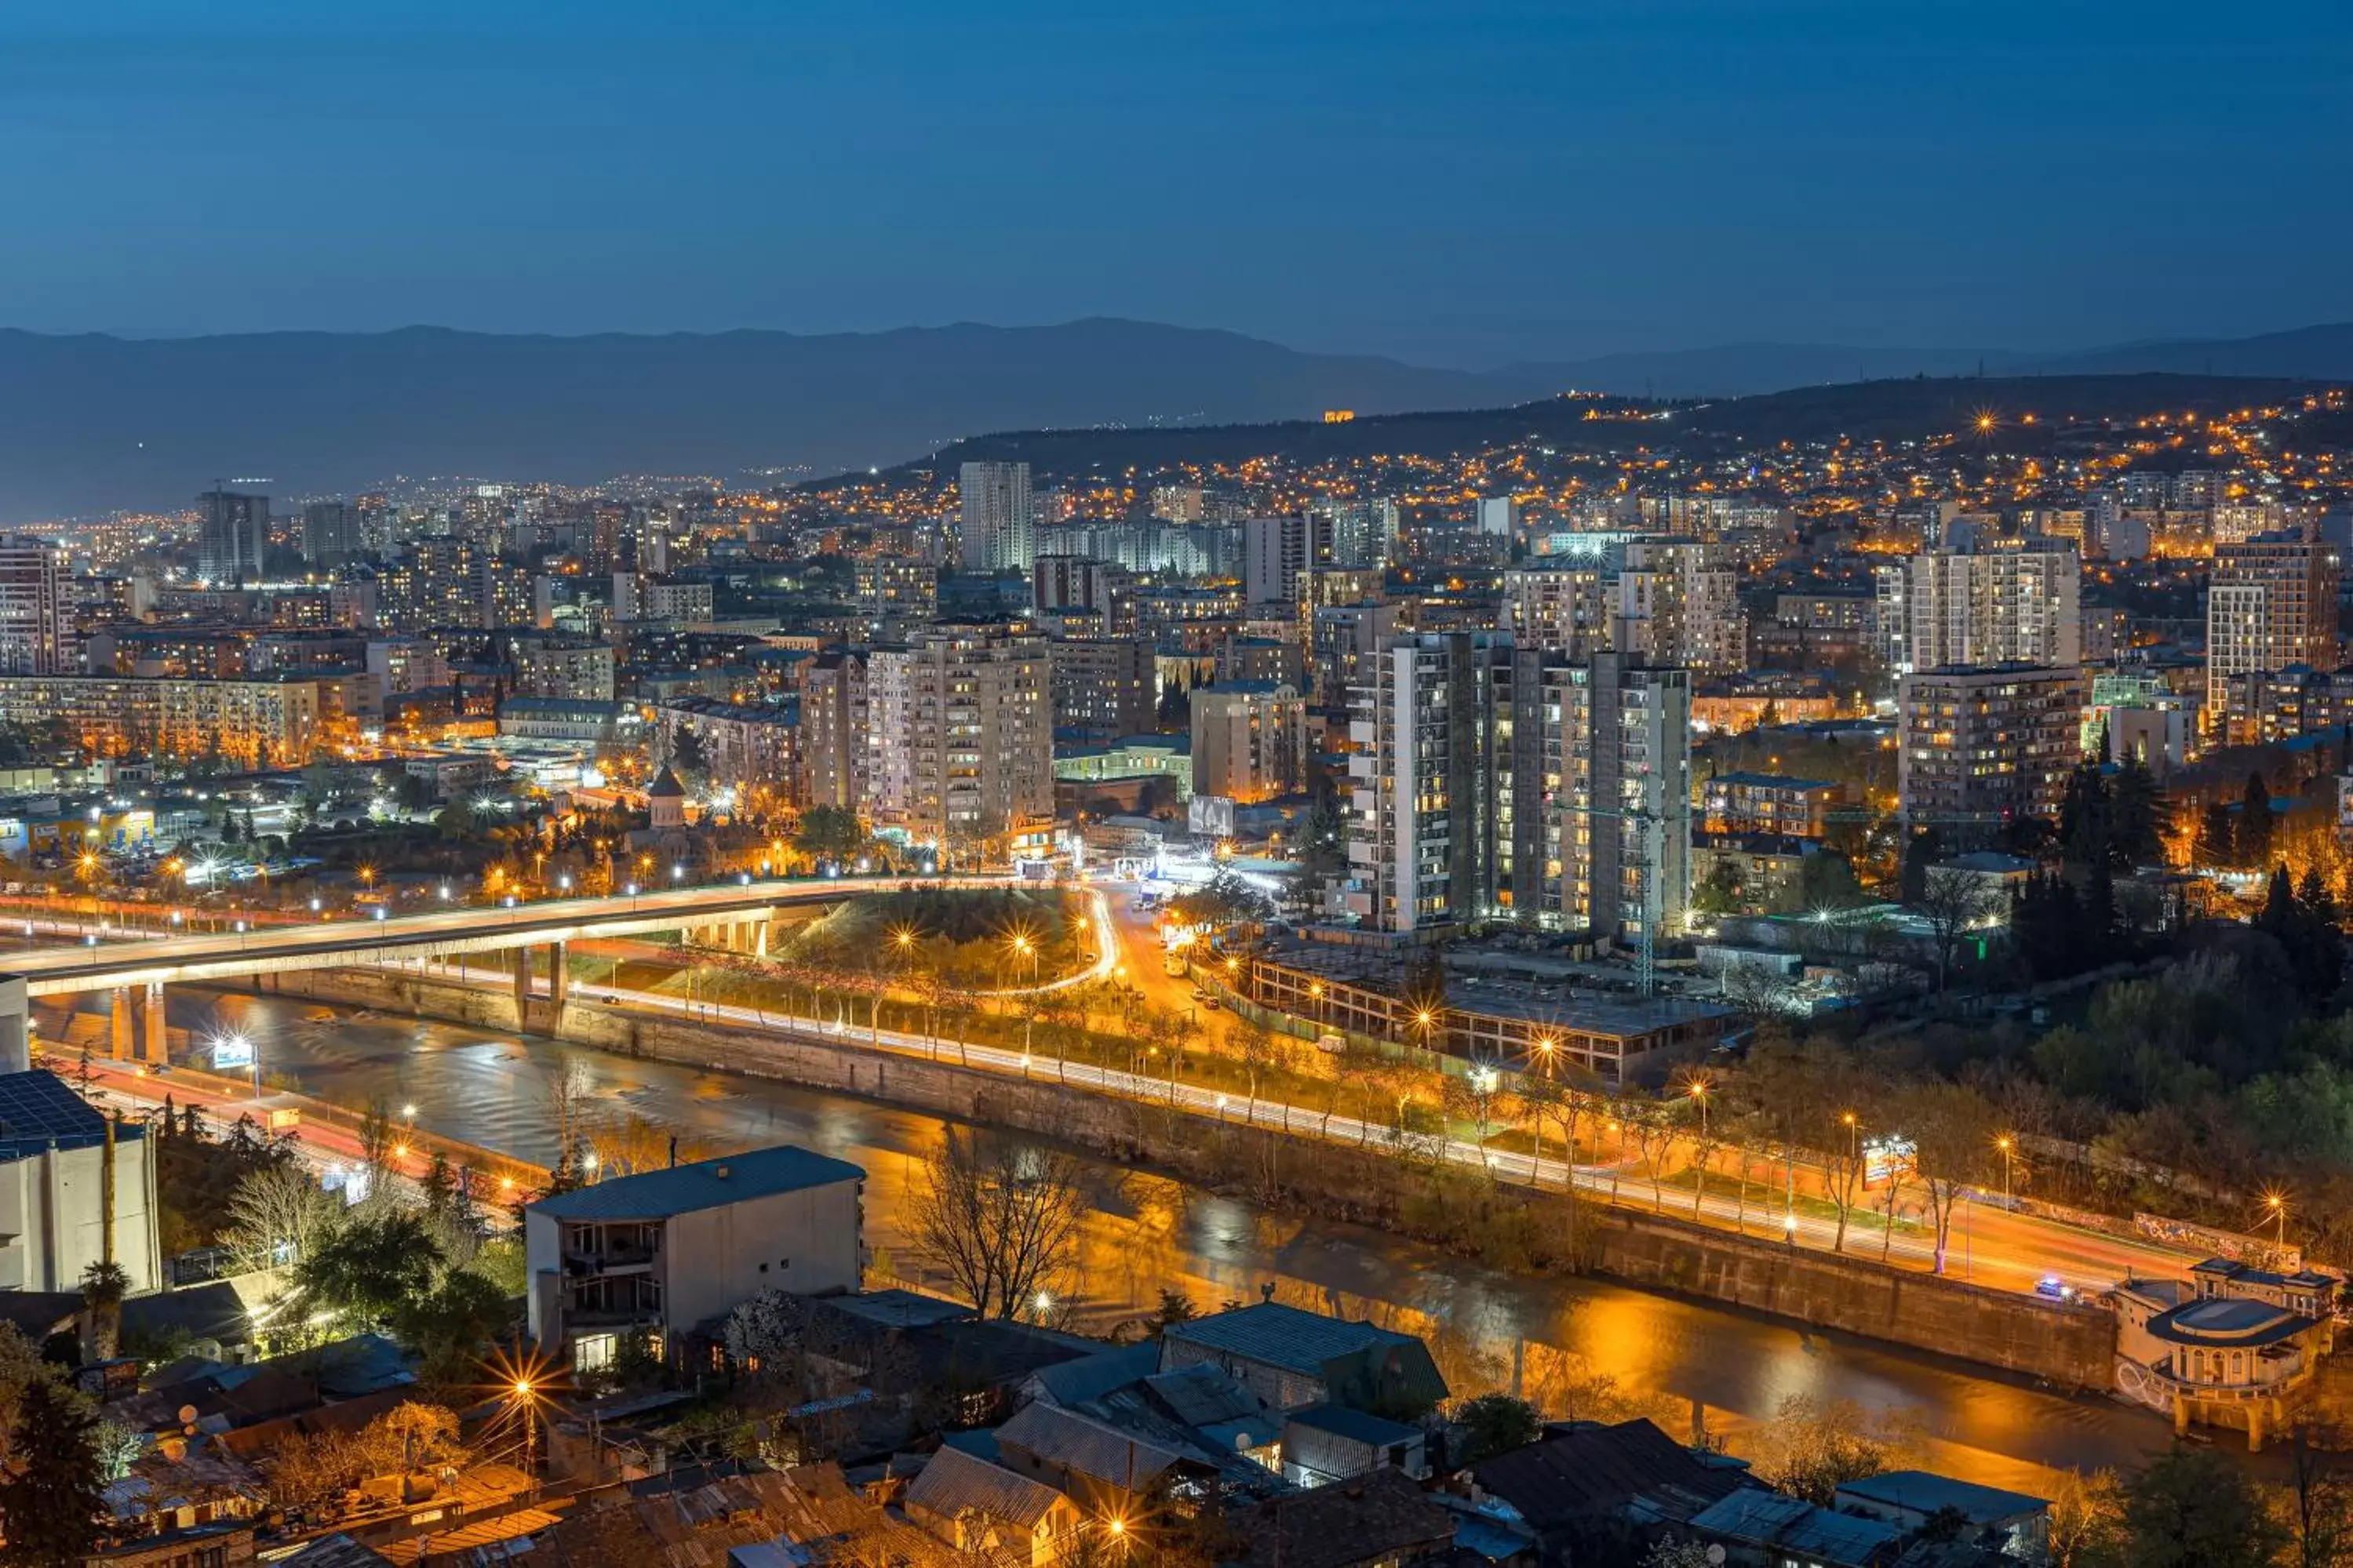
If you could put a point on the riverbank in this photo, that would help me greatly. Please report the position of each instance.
(1486, 1216)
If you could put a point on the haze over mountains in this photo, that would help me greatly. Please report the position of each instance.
(92, 423)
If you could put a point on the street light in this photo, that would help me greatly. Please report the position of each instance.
(2276, 1201)
(2005, 1144)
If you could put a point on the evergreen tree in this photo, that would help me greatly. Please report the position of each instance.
(2254, 837)
(2218, 837)
(52, 1497)
(2137, 815)
(1924, 851)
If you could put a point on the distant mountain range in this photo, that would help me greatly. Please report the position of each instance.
(92, 423)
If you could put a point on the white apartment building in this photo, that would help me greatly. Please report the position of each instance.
(54, 1186)
(1675, 605)
(998, 521)
(1945, 607)
(35, 611)
(663, 1251)
(1565, 609)
(2270, 605)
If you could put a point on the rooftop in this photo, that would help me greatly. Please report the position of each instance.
(1769, 1518)
(705, 1185)
(38, 1112)
(1923, 1491)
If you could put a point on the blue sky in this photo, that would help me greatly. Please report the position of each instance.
(1467, 182)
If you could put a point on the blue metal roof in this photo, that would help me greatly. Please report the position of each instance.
(1925, 1491)
(705, 1185)
(38, 1112)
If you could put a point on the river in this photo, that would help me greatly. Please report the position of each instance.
(1144, 1233)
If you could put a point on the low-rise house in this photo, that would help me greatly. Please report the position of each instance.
(2010, 1523)
(1292, 1359)
(1760, 1528)
(975, 1504)
(1327, 1443)
(664, 1251)
(1379, 1519)
(1585, 1483)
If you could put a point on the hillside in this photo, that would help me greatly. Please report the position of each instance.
(1879, 410)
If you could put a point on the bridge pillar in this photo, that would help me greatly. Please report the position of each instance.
(156, 1046)
(760, 929)
(117, 1019)
(558, 981)
(16, 1026)
(522, 982)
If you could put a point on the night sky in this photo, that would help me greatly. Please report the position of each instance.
(1469, 183)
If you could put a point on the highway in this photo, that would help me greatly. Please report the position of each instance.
(226, 956)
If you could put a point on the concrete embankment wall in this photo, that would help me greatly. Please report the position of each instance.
(2071, 1346)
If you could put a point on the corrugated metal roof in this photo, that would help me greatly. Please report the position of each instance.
(1768, 1519)
(1284, 1336)
(1074, 1442)
(705, 1185)
(1925, 1491)
(955, 1480)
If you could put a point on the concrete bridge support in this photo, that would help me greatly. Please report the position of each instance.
(16, 1026)
(118, 1021)
(155, 1045)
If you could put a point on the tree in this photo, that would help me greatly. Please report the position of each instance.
(2253, 840)
(688, 757)
(1826, 881)
(2086, 1520)
(1951, 902)
(1718, 892)
(371, 1268)
(2316, 1500)
(831, 833)
(1811, 1448)
(1952, 1132)
(1494, 1424)
(1920, 851)
(103, 1285)
(1002, 1217)
(451, 1326)
(2191, 1508)
(1253, 1046)
(52, 1495)
(1226, 898)
(2218, 837)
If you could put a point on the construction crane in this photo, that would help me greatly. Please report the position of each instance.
(1646, 960)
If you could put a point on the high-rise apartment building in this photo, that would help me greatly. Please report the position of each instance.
(232, 538)
(1622, 754)
(1081, 586)
(1362, 533)
(444, 581)
(2271, 605)
(896, 594)
(1982, 746)
(962, 734)
(1996, 606)
(1104, 689)
(998, 523)
(1276, 549)
(1493, 781)
(1563, 609)
(1250, 739)
(36, 608)
(1675, 605)
(834, 739)
(333, 533)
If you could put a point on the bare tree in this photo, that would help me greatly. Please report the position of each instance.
(276, 1215)
(1252, 1045)
(1952, 1132)
(568, 1089)
(1951, 902)
(1001, 1217)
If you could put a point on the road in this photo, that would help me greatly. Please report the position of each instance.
(1490, 1329)
(1988, 1246)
